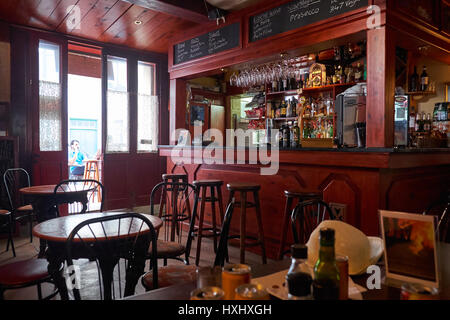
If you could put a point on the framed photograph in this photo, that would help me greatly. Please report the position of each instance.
(183, 137)
(410, 247)
(197, 115)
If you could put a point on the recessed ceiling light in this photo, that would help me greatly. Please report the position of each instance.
(138, 22)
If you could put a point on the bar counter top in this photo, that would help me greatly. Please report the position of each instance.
(380, 158)
(356, 150)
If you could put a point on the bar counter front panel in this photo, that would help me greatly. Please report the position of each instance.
(364, 181)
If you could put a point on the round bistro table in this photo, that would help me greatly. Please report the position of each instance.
(44, 200)
(56, 232)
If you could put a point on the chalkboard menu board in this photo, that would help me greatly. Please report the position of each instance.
(297, 14)
(210, 43)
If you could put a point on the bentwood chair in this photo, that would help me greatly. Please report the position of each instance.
(128, 237)
(170, 201)
(306, 216)
(96, 192)
(15, 179)
(176, 274)
(27, 273)
(441, 209)
(6, 223)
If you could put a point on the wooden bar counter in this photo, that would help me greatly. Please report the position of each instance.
(360, 181)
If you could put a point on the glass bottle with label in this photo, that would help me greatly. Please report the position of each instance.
(283, 109)
(424, 80)
(414, 81)
(427, 123)
(289, 109)
(326, 272)
(298, 280)
(295, 141)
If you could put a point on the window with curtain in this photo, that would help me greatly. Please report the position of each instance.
(148, 109)
(117, 139)
(50, 101)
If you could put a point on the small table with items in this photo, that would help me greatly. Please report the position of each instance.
(182, 291)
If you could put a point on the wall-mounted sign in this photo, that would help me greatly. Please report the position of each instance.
(207, 44)
(297, 14)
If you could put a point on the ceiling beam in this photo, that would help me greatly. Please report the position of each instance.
(190, 10)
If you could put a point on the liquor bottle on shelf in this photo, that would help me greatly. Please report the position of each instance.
(298, 280)
(427, 123)
(359, 72)
(293, 84)
(300, 83)
(422, 124)
(278, 111)
(283, 110)
(414, 81)
(424, 80)
(412, 122)
(289, 109)
(294, 107)
(326, 272)
(295, 136)
(275, 86)
(286, 136)
(418, 122)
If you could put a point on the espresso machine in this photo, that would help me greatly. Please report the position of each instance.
(351, 120)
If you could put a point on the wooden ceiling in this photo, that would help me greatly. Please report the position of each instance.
(111, 21)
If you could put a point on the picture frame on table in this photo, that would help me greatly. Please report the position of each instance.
(410, 242)
(183, 137)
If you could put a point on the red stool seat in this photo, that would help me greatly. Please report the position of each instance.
(4, 212)
(167, 249)
(25, 208)
(23, 272)
(170, 275)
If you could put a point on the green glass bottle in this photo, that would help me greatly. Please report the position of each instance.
(326, 272)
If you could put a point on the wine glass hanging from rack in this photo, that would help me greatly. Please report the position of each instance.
(285, 68)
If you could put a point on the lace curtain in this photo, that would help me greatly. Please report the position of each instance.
(148, 123)
(117, 122)
(50, 126)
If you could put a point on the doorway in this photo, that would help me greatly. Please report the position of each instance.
(84, 115)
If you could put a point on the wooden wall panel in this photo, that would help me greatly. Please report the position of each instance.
(118, 193)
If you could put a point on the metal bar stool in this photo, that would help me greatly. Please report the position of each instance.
(290, 197)
(213, 231)
(243, 189)
(173, 189)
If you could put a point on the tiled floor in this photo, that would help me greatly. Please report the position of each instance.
(89, 279)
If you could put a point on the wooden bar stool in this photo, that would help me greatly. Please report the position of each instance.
(174, 188)
(213, 231)
(290, 197)
(91, 172)
(244, 188)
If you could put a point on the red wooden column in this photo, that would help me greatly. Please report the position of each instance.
(177, 106)
(380, 87)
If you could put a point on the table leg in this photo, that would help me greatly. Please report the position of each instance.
(107, 269)
(134, 271)
(54, 270)
(44, 209)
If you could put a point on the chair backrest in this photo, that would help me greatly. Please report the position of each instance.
(95, 195)
(14, 179)
(306, 216)
(222, 249)
(112, 241)
(441, 210)
(168, 198)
